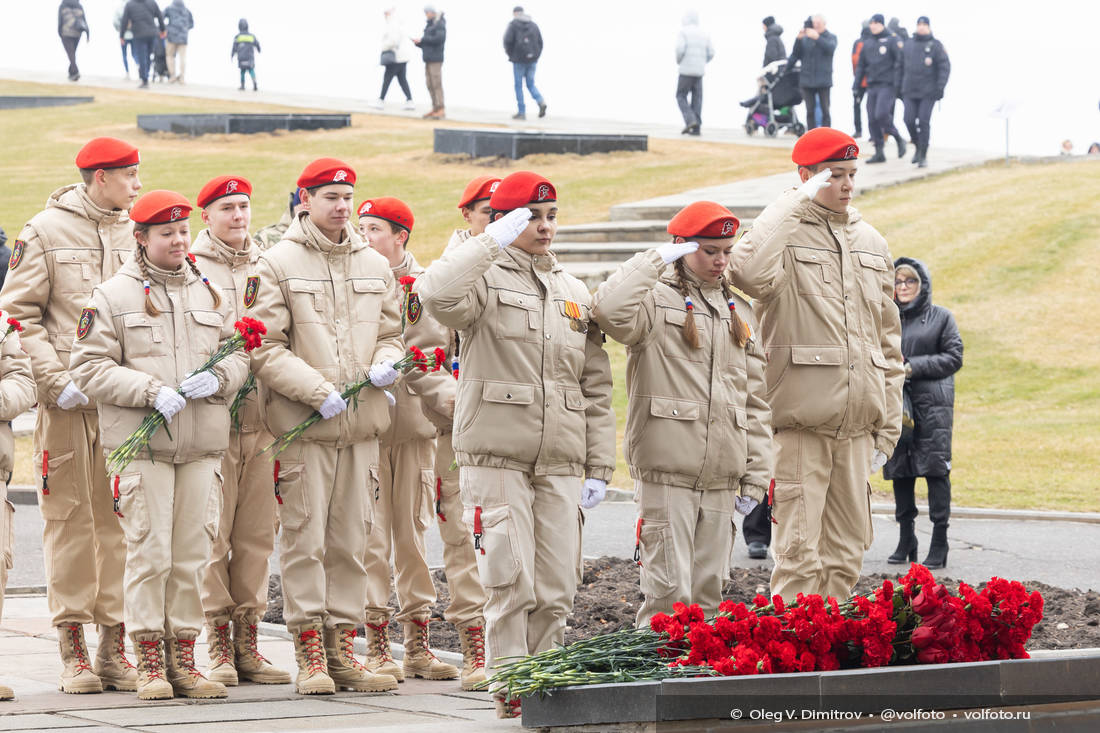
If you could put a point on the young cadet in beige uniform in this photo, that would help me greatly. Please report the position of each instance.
(533, 415)
(823, 281)
(475, 209)
(235, 582)
(16, 397)
(698, 436)
(326, 299)
(146, 330)
(80, 240)
(405, 500)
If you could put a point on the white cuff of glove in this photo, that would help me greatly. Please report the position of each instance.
(744, 504)
(383, 374)
(168, 402)
(878, 460)
(333, 405)
(71, 397)
(672, 251)
(506, 229)
(390, 398)
(593, 492)
(197, 386)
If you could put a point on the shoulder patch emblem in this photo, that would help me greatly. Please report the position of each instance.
(251, 287)
(413, 308)
(16, 254)
(84, 325)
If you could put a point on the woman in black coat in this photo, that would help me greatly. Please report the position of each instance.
(933, 352)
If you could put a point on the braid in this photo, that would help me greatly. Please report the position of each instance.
(211, 288)
(738, 328)
(139, 255)
(691, 336)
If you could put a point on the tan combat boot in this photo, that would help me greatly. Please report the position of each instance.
(186, 680)
(419, 660)
(379, 659)
(111, 665)
(507, 707)
(77, 676)
(152, 683)
(6, 693)
(251, 665)
(309, 650)
(219, 645)
(345, 669)
(472, 638)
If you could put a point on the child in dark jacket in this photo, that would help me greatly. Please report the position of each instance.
(245, 48)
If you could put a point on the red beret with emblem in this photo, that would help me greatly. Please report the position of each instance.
(522, 188)
(324, 171)
(704, 219)
(823, 144)
(160, 207)
(390, 209)
(105, 153)
(221, 187)
(478, 189)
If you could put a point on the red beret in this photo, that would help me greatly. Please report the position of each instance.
(324, 171)
(160, 207)
(704, 219)
(478, 189)
(390, 209)
(223, 186)
(106, 152)
(522, 188)
(822, 144)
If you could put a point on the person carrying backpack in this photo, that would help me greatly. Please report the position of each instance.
(245, 48)
(523, 44)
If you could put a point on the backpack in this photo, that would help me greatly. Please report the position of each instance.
(526, 48)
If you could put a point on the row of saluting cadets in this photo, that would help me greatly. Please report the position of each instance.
(795, 404)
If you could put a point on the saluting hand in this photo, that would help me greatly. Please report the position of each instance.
(815, 183)
(505, 229)
(672, 251)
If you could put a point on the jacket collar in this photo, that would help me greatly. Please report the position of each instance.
(207, 244)
(408, 266)
(695, 285)
(182, 275)
(513, 258)
(812, 211)
(304, 231)
(74, 199)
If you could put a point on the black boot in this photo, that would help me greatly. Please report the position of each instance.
(907, 546)
(937, 553)
(901, 146)
(879, 156)
(923, 162)
(916, 154)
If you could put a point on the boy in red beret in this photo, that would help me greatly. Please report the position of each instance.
(80, 240)
(824, 280)
(325, 297)
(235, 581)
(534, 429)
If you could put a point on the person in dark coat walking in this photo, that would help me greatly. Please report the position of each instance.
(71, 25)
(859, 88)
(924, 71)
(144, 19)
(431, 43)
(815, 47)
(880, 63)
(774, 50)
(523, 44)
(245, 48)
(933, 352)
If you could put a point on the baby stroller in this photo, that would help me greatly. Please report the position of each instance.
(160, 60)
(774, 108)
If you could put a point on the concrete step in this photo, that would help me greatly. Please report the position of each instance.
(613, 231)
(592, 274)
(614, 252)
(661, 209)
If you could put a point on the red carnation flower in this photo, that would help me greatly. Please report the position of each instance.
(14, 325)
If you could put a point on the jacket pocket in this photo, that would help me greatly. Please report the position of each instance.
(293, 512)
(366, 313)
(505, 393)
(7, 535)
(61, 481)
(75, 271)
(518, 315)
(658, 563)
(813, 268)
(133, 508)
(872, 269)
(672, 340)
(789, 534)
(143, 336)
(575, 330)
(308, 303)
(671, 409)
(207, 331)
(498, 559)
(214, 505)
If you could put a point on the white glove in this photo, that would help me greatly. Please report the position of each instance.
(199, 385)
(505, 229)
(333, 405)
(383, 374)
(389, 397)
(815, 183)
(593, 492)
(878, 460)
(71, 397)
(744, 504)
(168, 403)
(672, 251)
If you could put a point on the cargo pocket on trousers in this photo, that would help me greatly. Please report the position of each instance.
(214, 505)
(425, 506)
(870, 538)
(293, 513)
(656, 554)
(496, 545)
(789, 532)
(59, 504)
(132, 507)
(372, 497)
(7, 535)
(580, 545)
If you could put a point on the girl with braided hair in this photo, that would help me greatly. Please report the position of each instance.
(145, 331)
(698, 430)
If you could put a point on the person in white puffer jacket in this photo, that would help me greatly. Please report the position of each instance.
(395, 56)
(693, 51)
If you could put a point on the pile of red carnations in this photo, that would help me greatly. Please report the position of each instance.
(915, 621)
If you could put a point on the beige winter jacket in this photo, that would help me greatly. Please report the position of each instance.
(126, 355)
(697, 417)
(330, 314)
(824, 283)
(61, 254)
(533, 393)
(16, 397)
(233, 270)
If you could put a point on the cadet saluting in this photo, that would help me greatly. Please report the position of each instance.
(698, 436)
(533, 413)
(160, 319)
(79, 241)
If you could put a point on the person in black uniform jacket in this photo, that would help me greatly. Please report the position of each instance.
(933, 352)
(924, 71)
(880, 62)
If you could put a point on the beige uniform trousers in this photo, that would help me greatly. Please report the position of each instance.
(7, 541)
(235, 583)
(326, 514)
(402, 513)
(82, 542)
(686, 540)
(169, 516)
(823, 513)
(467, 606)
(529, 566)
